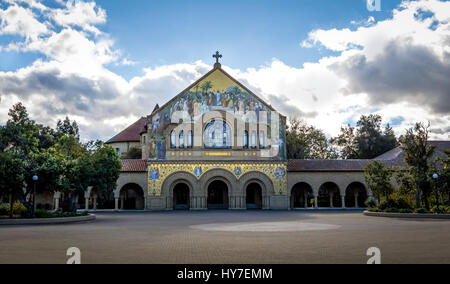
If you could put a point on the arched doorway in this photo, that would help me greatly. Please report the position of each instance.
(218, 195)
(301, 196)
(132, 197)
(356, 195)
(181, 197)
(329, 196)
(254, 196)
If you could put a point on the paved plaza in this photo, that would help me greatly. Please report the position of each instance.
(243, 237)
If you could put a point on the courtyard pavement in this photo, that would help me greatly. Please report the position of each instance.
(215, 237)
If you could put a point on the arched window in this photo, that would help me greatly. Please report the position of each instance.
(182, 140)
(190, 140)
(261, 140)
(173, 139)
(245, 139)
(217, 135)
(253, 139)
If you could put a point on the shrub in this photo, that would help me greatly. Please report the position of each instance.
(42, 213)
(421, 211)
(395, 203)
(4, 210)
(371, 209)
(391, 210)
(371, 203)
(406, 211)
(441, 210)
(20, 209)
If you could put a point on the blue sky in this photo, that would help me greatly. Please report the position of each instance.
(105, 63)
(249, 33)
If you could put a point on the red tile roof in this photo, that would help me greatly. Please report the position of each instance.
(134, 166)
(131, 134)
(326, 165)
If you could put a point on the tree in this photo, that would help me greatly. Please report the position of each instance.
(378, 179)
(76, 172)
(106, 169)
(307, 142)
(133, 154)
(418, 151)
(67, 127)
(367, 140)
(11, 178)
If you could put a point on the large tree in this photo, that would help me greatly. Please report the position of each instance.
(11, 178)
(418, 151)
(367, 140)
(378, 179)
(307, 142)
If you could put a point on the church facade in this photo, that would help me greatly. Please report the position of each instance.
(217, 145)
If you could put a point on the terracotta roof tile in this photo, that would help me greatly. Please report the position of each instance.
(134, 166)
(326, 165)
(131, 134)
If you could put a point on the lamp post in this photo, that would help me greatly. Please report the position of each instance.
(435, 177)
(35, 179)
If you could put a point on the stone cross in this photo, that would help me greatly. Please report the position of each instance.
(217, 56)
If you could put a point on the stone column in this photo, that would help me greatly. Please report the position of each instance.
(305, 195)
(331, 199)
(116, 204)
(343, 201)
(57, 196)
(356, 200)
(95, 202)
(316, 202)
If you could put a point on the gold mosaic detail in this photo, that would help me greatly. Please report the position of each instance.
(158, 173)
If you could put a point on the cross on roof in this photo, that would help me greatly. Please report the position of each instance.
(217, 56)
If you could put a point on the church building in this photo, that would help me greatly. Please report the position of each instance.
(217, 145)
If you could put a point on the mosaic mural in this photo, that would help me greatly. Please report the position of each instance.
(276, 172)
(217, 92)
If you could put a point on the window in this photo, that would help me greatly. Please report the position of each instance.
(190, 140)
(173, 140)
(253, 139)
(118, 151)
(182, 140)
(261, 140)
(217, 135)
(245, 139)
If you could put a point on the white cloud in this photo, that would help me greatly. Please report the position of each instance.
(72, 77)
(80, 14)
(17, 20)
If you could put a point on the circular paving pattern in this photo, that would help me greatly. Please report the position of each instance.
(266, 227)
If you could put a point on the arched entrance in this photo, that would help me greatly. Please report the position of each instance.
(181, 197)
(218, 195)
(301, 196)
(329, 196)
(131, 197)
(356, 195)
(254, 196)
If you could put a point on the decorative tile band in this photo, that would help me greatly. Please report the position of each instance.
(159, 172)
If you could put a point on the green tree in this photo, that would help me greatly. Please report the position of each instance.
(367, 140)
(11, 178)
(378, 179)
(106, 169)
(418, 151)
(67, 127)
(307, 142)
(133, 154)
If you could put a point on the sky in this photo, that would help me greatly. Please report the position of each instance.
(106, 63)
